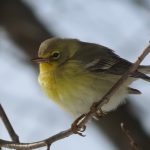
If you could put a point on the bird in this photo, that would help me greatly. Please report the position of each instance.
(75, 74)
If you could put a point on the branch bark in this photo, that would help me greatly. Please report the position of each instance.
(126, 131)
(8, 125)
(81, 121)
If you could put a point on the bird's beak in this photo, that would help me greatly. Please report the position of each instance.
(40, 60)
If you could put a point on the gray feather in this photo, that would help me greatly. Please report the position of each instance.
(100, 59)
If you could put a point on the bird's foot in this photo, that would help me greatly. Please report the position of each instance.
(77, 127)
(99, 113)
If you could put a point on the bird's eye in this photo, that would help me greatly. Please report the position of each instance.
(55, 55)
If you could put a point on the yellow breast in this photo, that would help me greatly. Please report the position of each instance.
(74, 89)
(67, 86)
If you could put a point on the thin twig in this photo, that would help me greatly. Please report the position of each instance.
(126, 131)
(8, 125)
(105, 99)
(81, 121)
(123, 78)
(34, 145)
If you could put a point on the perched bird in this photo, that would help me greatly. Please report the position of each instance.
(75, 74)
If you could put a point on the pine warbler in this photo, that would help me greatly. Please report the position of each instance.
(75, 74)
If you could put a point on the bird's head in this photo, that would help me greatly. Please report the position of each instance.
(56, 51)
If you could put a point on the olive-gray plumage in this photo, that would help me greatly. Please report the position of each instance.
(104, 60)
(83, 72)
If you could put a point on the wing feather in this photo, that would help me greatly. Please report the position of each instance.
(98, 59)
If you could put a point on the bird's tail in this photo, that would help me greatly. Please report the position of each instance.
(145, 70)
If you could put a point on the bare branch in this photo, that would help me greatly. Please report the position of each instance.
(34, 145)
(8, 125)
(79, 124)
(123, 78)
(133, 144)
(105, 99)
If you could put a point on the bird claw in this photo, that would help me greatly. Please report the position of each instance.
(99, 112)
(77, 128)
(94, 107)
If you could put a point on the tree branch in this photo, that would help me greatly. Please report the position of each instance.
(126, 131)
(82, 120)
(8, 125)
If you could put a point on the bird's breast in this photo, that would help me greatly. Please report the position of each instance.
(75, 90)
(70, 86)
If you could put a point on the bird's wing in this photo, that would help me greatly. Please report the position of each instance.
(98, 59)
(116, 66)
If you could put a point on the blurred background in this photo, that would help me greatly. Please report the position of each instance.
(123, 25)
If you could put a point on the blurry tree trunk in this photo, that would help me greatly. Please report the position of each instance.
(22, 26)
(27, 32)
